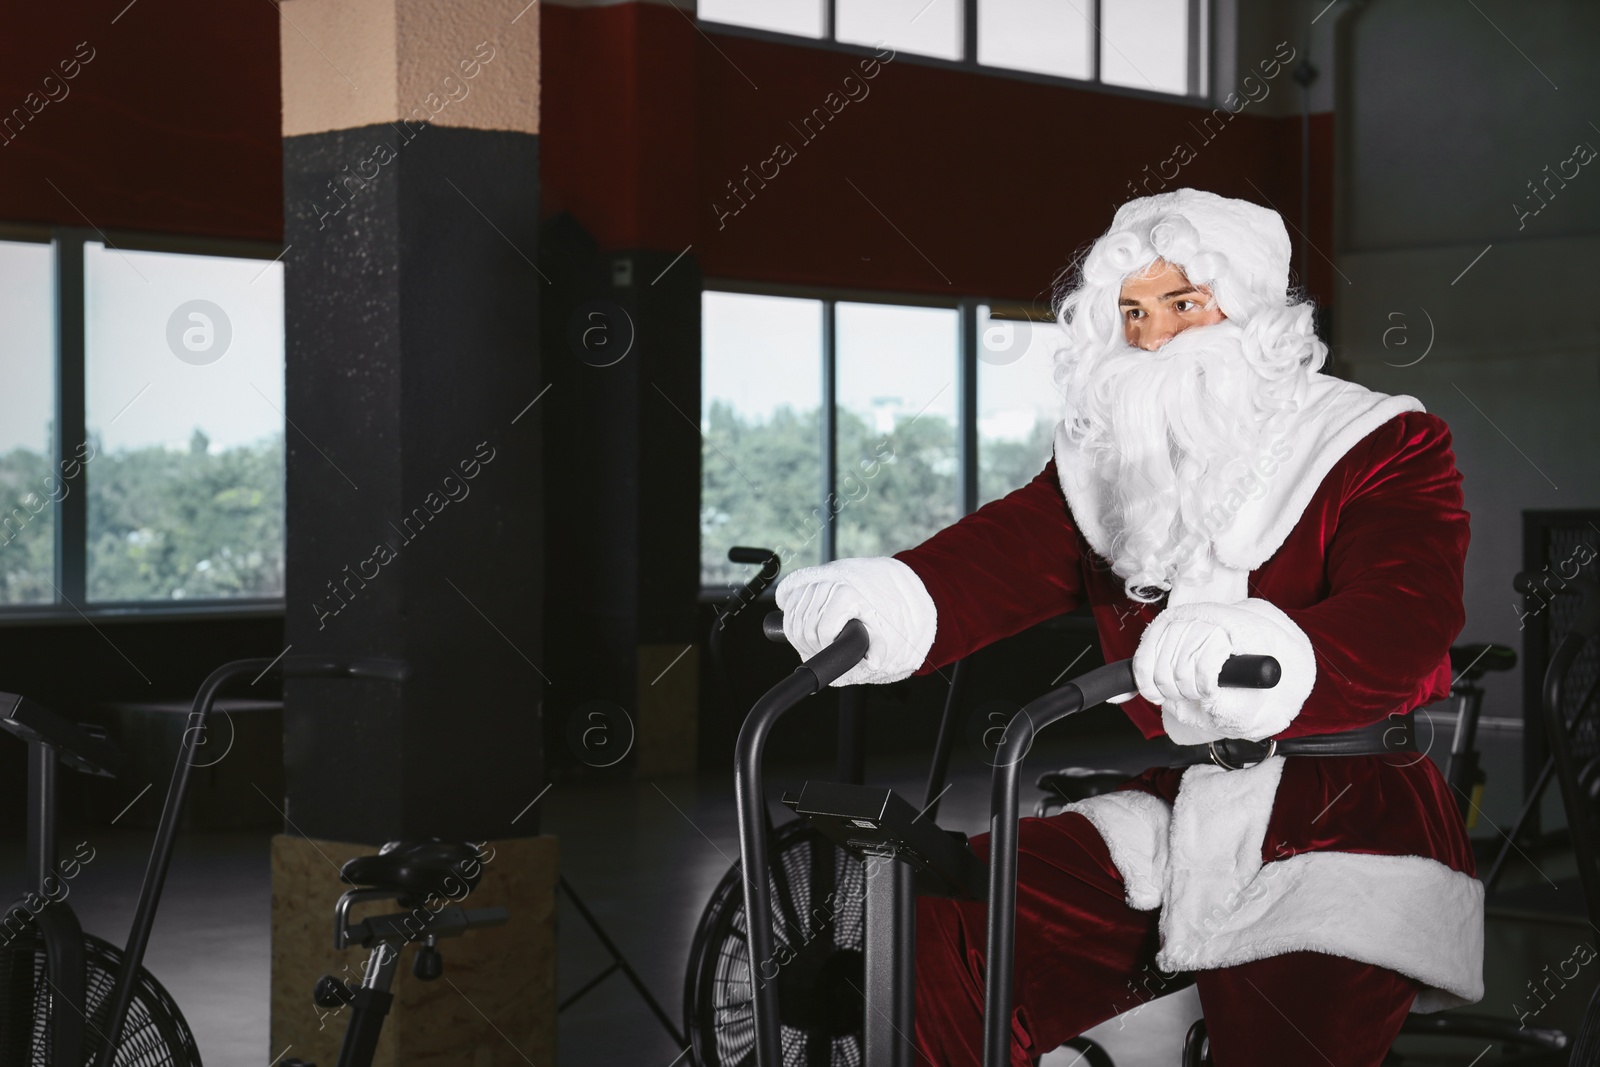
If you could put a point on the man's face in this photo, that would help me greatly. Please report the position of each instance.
(1160, 303)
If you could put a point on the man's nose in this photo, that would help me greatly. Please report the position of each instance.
(1161, 331)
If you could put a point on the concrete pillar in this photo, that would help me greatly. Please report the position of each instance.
(415, 495)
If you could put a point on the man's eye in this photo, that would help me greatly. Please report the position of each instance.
(1133, 313)
(1185, 305)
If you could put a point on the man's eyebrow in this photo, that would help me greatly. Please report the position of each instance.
(1178, 292)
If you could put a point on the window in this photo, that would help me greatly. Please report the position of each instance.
(156, 474)
(760, 472)
(1019, 403)
(1043, 36)
(804, 18)
(924, 27)
(833, 427)
(1145, 44)
(896, 457)
(29, 482)
(1150, 46)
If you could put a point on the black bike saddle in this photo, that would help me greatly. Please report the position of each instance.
(431, 867)
(1081, 783)
(1471, 662)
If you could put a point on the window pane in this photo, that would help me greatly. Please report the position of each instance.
(1145, 44)
(926, 27)
(1019, 404)
(1044, 36)
(897, 447)
(803, 17)
(761, 460)
(184, 383)
(30, 484)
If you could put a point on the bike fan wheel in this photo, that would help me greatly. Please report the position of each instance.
(154, 1035)
(819, 908)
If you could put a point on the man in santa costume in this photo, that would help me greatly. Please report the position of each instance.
(1211, 493)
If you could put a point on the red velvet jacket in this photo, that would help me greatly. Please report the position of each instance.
(1372, 573)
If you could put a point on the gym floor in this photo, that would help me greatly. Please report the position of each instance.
(645, 856)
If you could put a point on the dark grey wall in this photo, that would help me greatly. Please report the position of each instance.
(1446, 111)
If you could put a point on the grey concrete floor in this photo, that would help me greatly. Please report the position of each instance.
(645, 856)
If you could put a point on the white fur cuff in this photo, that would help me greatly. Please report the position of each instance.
(881, 591)
(1255, 627)
(1135, 826)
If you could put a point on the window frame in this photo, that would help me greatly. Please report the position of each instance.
(70, 556)
(1203, 26)
(966, 308)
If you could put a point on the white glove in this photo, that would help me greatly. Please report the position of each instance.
(1182, 650)
(882, 592)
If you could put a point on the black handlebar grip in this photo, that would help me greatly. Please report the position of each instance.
(1249, 672)
(772, 626)
(746, 554)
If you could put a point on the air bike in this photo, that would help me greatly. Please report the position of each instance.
(905, 854)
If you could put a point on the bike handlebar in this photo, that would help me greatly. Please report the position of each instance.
(371, 667)
(1238, 672)
(845, 651)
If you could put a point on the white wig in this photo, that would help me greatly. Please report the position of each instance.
(1240, 251)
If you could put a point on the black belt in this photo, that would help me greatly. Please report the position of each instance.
(1394, 734)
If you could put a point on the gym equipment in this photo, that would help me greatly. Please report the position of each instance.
(1524, 1045)
(413, 874)
(1576, 798)
(879, 828)
(45, 956)
(119, 1015)
(1086, 691)
(1461, 769)
(820, 998)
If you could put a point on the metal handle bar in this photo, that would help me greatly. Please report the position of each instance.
(1099, 685)
(155, 875)
(848, 649)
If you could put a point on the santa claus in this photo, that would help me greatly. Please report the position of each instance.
(1211, 493)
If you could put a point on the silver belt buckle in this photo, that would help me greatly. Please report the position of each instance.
(1216, 757)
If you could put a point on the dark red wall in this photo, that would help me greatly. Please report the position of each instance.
(977, 184)
(172, 126)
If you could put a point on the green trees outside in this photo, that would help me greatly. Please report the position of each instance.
(761, 485)
(163, 524)
(27, 527)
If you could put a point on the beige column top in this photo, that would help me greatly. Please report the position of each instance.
(350, 63)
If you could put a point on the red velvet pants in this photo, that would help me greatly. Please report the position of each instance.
(1083, 956)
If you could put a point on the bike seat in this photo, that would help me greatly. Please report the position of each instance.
(1471, 662)
(431, 867)
(1081, 783)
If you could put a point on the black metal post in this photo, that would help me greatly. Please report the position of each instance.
(890, 967)
(852, 765)
(42, 771)
(749, 784)
(940, 770)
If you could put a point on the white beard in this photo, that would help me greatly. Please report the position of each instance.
(1170, 433)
